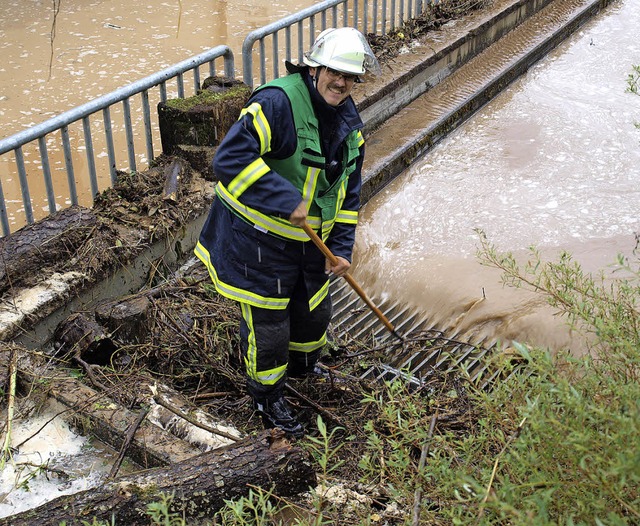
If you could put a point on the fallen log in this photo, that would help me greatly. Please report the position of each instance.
(82, 335)
(24, 253)
(199, 485)
(95, 412)
(126, 319)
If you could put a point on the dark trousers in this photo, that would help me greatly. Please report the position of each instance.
(280, 342)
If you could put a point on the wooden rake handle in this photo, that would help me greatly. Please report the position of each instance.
(354, 285)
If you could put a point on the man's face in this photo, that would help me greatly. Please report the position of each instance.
(332, 85)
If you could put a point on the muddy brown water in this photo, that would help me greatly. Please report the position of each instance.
(552, 162)
(58, 55)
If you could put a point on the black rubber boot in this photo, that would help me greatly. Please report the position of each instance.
(277, 413)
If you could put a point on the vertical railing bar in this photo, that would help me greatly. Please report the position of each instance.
(287, 43)
(46, 172)
(263, 65)
(300, 42)
(24, 184)
(393, 14)
(345, 13)
(229, 65)
(180, 83)
(212, 68)
(146, 115)
(356, 19)
(384, 17)
(68, 162)
(163, 92)
(375, 17)
(129, 133)
(91, 163)
(111, 152)
(323, 20)
(196, 80)
(312, 29)
(365, 16)
(276, 55)
(401, 17)
(334, 14)
(4, 219)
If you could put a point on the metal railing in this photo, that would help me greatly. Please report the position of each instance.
(42, 132)
(369, 16)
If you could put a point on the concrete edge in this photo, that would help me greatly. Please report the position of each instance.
(389, 98)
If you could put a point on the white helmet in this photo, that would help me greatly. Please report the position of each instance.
(344, 49)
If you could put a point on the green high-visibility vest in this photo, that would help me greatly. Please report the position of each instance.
(305, 169)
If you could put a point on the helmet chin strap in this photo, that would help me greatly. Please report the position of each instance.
(314, 78)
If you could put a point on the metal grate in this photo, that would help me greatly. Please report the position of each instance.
(438, 351)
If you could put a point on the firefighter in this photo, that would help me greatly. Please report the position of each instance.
(294, 156)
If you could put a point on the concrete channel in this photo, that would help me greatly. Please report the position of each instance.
(422, 96)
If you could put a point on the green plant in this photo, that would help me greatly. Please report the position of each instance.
(159, 513)
(558, 443)
(633, 84)
(633, 80)
(256, 508)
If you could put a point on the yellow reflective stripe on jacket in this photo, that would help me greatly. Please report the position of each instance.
(308, 346)
(317, 298)
(360, 139)
(310, 183)
(235, 293)
(247, 177)
(261, 125)
(280, 227)
(268, 377)
(347, 216)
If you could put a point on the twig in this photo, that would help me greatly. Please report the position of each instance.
(317, 407)
(513, 436)
(5, 453)
(127, 441)
(45, 467)
(160, 401)
(417, 498)
(87, 368)
(208, 396)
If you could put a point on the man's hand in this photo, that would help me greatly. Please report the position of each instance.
(299, 215)
(340, 269)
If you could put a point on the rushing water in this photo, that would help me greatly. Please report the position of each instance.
(52, 460)
(554, 162)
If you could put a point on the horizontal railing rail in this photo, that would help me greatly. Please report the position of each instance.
(369, 16)
(74, 131)
(104, 104)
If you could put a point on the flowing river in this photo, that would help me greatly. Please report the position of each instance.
(552, 162)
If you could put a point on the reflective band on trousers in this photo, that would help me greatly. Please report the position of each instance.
(269, 377)
(308, 346)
